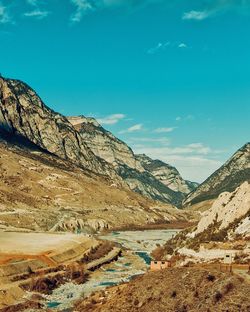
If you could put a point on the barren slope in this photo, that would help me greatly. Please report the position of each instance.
(174, 290)
(40, 191)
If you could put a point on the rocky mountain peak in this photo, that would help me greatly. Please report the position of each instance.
(104, 144)
(78, 121)
(166, 174)
(23, 114)
(228, 177)
(84, 142)
(136, 170)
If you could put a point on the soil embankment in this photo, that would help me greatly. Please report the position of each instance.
(40, 262)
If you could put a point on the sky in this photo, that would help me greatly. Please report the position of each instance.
(170, 78)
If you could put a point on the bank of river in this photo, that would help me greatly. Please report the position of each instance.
(134, 261)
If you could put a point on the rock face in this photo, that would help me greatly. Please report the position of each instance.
(78, 225)
(226, 210)
(166, 174)
(84, 142)
(164, 183)
(23, 114)
(235, 171)
(104, 144)
(222, 229)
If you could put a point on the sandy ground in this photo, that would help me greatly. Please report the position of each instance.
(145, 241)
(36, 243)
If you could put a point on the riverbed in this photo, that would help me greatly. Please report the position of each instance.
(135, 260)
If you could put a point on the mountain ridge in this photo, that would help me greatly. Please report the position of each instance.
(130, 167)
(230, 175)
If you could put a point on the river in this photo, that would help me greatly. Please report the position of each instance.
(134, 261)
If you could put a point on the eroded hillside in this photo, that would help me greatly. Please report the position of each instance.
(40, 191)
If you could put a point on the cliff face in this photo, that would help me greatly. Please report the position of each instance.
(84, 142)
(228, 209)
(164, 184)
(234, 172)
(104, 144)
(23, 114)
(166, 174)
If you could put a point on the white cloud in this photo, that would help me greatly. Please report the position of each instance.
(182, 45)
(164, 130)
(82, 6)
(160, 46)
(185, 118)
(111, 119)
(134, 128)
(163, 46)
(4, 15)
(37, 14)
(32, 2)
(213, 7)
(196, 15)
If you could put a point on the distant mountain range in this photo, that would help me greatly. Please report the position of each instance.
(26, 121)
(152, 178)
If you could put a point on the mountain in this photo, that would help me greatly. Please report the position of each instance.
(224, 226)
(166, 174)
(24, 115)
(130, 167)
(40, 191)
(51, 179)
(230, 211)
(234, 172)
(25, 118)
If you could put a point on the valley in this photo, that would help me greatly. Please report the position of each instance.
(82, 216)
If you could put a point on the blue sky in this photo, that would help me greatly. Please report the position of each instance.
(170, 78)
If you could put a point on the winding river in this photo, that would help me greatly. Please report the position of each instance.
(134, 261)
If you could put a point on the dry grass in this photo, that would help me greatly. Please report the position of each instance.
(98, 252)
(174, 290)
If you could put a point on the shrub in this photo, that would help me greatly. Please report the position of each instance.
(218, 296)
(174, 294)
(211, 278)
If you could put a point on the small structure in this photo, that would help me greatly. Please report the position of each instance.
(159, 265)
(228, 258)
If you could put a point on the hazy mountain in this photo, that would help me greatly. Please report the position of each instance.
(164, 184)
(166, 174)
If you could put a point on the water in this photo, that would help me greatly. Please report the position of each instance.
(135, 261)
(145, 256)
(140, 241)
(53, 304)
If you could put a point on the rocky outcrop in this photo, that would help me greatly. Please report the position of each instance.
(104, 144)
(130, 167)
(166, 174)
(222, 229)
(228, 209)
(23, 114)
(231, 175)
(80, 226)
